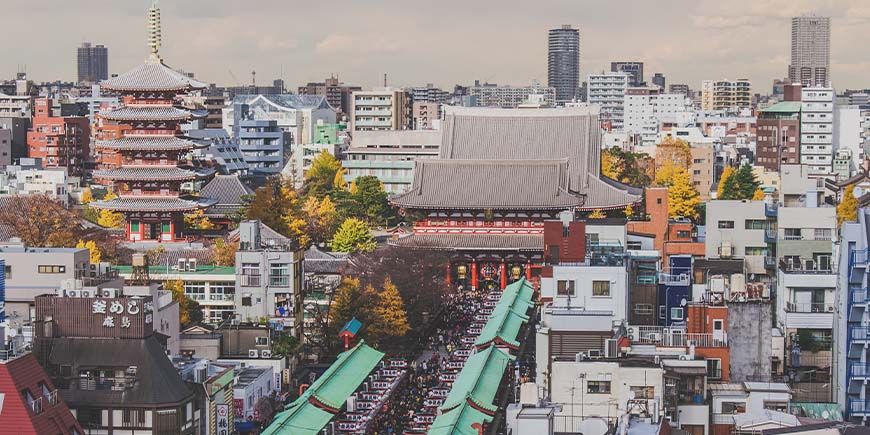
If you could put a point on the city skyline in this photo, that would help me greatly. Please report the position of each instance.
(428, 43)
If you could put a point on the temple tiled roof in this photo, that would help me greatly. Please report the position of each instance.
(152, 204)
(148, 113)
(479, 379)
(228, 191)
(155, 143)
(493, 184)
(152, 75)
(491, 242)
(163, 173)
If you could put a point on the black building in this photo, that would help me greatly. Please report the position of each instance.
(93, 63)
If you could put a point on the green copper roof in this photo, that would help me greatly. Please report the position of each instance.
(332, 389)
(458, 421)
(783, 107)
(509, 315)
(479, 379)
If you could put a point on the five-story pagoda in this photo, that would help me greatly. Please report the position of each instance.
(144, 163)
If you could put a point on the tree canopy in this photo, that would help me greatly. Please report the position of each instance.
(847, 209)
(320, 178)
(683, 198)
(626, 167)
(741, 184)
(353, 236)
(276, 204)
(40, 221)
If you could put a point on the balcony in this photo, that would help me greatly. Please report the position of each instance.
(249, 280)
(677, 280)
(792, 307)
(859, 370)
(669, 338)
(771, 210)
(859, 408)
(807, 266)
(859, 258)
(860, 333)
(860, 295)
(770, 236)
(769, 262)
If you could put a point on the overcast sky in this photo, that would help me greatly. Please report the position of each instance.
(432, 41)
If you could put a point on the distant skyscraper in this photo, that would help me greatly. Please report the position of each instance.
(93, 62)
(633, 69)
(810, 51)
(563, 63)
(659, 80)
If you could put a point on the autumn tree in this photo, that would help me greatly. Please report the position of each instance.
(758, 195)
(726, 174)
(320, 179)
(198, 220)
(87, 196)
(321, 219)
(110, 219)
(353, 236)
(224, 252)
(189, 310)
(96, 255)
(847, 210)
(675, 151)
(629, 211)
(742, 184)
(40, 221)
(626, 167)
(276, 205)
(390, 317)
(665, 173)
(597, 214)
(683, 198)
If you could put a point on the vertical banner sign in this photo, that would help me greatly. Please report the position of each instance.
(222, 419)
(2, 291)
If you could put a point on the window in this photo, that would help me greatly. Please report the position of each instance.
(755, 250)
(733, 407)
(262, 341)
(246, 300)
(564, 287)
(822, 233)
(598, 387)
(51, 269)
(755, 224)
(676, 313)
(643, 392)
(643, 309)
(684, 234)
(8, 272)
(601, 288)
(133, 418)
(279, 274)
(89, 417)
(791, 233)
(662, 311)
(714, 369)
(164, 227)
(634, 245)
(726, 224)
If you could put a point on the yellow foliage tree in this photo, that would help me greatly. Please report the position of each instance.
(177, 289)
(96, 255)
(198, 220)
(87, 196)
(338, 182)
(322, 218)
(847, 210)
(390, 316)
(758, 195)
(110, 195)
(727, 172)
(110, 219)
(597, 214)
(629, 211)
(683, 199)
(224, 252)
(665, 173)
(608, 166)
(675, 151)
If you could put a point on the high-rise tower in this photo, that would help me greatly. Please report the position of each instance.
(563, 63)
(810, 51)
(93, 62)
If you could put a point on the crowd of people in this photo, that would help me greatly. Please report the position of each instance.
(414, 406)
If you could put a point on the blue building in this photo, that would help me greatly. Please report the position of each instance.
(675, 291)
(263, 144)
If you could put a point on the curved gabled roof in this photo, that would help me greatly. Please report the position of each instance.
(156, 143)
(163, 173)
(285, 101)
(152, 75)
(149, 113)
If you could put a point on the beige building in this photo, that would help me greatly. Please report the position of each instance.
(726, 94)
(383, 109)
(427, 116)
(701, 169)
(766, 177)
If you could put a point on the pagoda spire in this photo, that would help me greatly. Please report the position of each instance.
(154, 36)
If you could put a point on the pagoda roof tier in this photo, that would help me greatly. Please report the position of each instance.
(471, 242)
(150, 113)
(145, 204)
(148, 143)
(163, 173)
(153, 75)
(490, 184)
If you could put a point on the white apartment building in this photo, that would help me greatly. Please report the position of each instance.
(736, 229)
(16, 106)
(607, 90)
(646, 108)
(30, 180)
(509, 97)
(848, 135)
(817, 129)
(383, 109)
(295, 114)
(389, 155)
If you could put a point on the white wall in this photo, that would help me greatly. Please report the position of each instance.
(566, 375)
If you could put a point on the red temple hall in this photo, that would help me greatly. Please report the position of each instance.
(487, 197)
(142, 159)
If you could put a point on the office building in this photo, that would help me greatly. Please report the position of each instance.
(337, 94)
(427, 116)
(93, 63)
(389, 155)
(383, 109)
(296, 115)
(17, 127)
(679, 88)
(659, 80)
(646, 108)
(633, 69)
(429, 94)
(60, 141)
(510, 97)
(563, 63)
(607, 90)
(263, 144)
(817, 129)
(810, 51)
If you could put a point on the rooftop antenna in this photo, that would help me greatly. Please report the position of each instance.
(385, 80)
(254, 78)
(155, 39)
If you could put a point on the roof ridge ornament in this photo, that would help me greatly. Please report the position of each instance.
(155, 39)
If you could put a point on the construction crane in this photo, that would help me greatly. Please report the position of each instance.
(236, 79)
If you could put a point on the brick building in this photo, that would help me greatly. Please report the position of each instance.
(60, 141)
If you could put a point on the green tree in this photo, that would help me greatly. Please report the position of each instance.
(742, 184)
(683, 199)
(626, 167)
(847, 209)
(285, 344)
(320, 179)
(321, 219)
(189, 311)
(726, 174)
(390, 317)
(276, 204)
(353, 236)
(370, 201)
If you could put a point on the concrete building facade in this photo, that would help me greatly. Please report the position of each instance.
(563, 63)
(810, 62)
(607, 90)
(817, 129)
(93, 62)
(384, 109)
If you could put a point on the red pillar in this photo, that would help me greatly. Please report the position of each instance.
(474, 275)
(503, 275)
(529, 271)
(447, 277)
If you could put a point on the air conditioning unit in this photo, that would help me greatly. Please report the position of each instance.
(593, 354)
(726, 251)
(266, 353)
(71, 293)
(108, 293)
(611, 348)
(253, 353)
(685, 358)
(580, 356)
(85, 293)
(191, 265)
(182, 264)
(632, 333)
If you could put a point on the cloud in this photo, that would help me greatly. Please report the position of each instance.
(336, 43)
